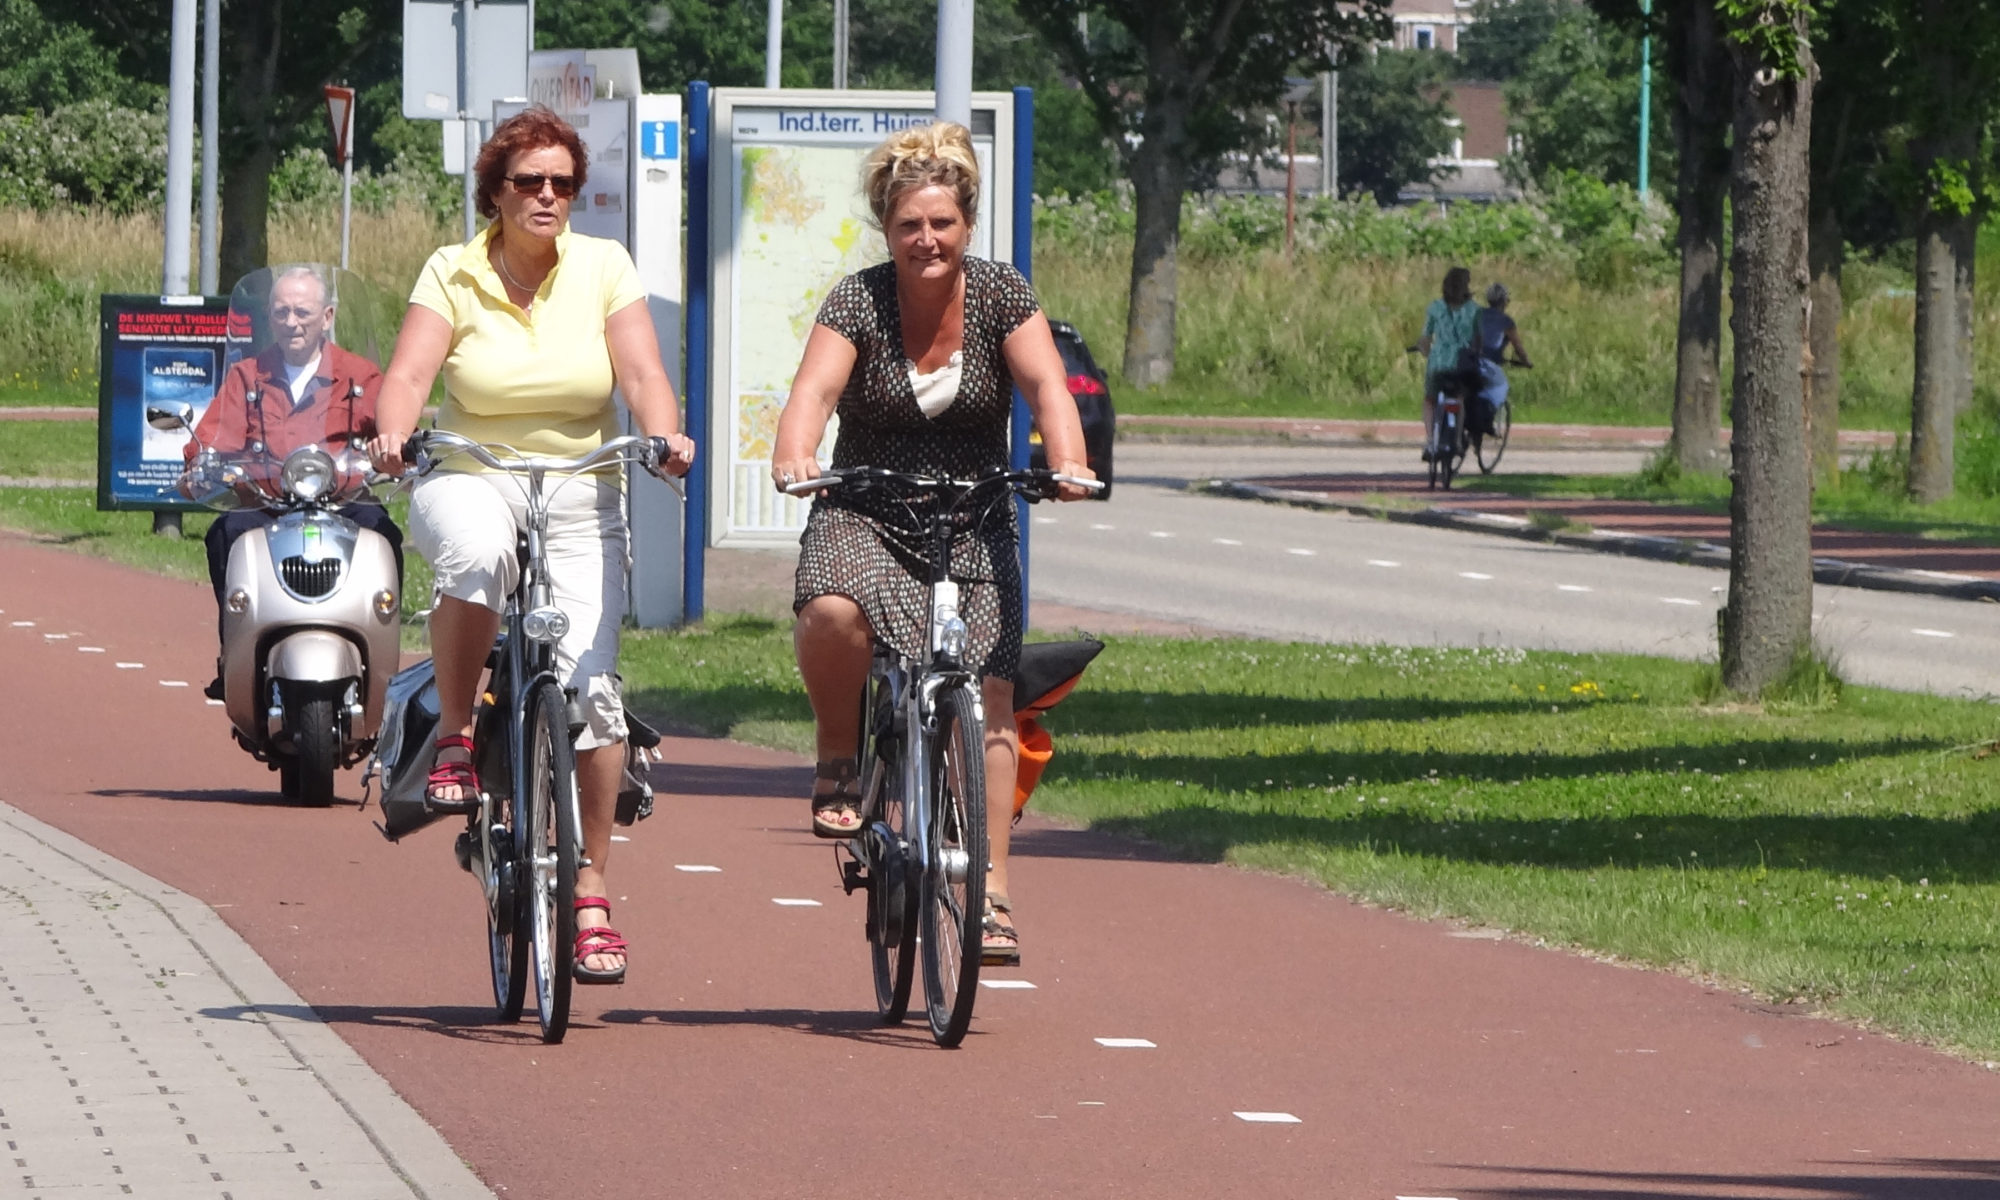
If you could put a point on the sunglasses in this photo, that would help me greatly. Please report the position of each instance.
(564, 186)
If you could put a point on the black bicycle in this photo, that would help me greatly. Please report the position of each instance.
(1490, 442)
(524, 841)
(921, 856)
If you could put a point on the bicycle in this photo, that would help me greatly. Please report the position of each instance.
(1449, 440)
(524, 841)
(1489, 444)
(923, 766)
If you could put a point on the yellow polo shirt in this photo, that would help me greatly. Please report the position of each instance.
(540, 380)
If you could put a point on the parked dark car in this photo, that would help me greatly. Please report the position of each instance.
(1093, 404)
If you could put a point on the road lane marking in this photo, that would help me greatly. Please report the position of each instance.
(1473, 575)
(90, 649)
(1383, 562)
(1678, 600)
(215, 704)
(56, 637)
(1301, 550)
(1104, 527)
(789, 902)
(24, 624)
(1932, 633)
(619, 837)
(1571, 587)
(129, 666)
(1268, 1118)
(1007, 984)
(696, 867)
(1160, 533)
(1426, 1198)
(1125, 1044)
(173, 683)
(1225, 541)
(1045, 520)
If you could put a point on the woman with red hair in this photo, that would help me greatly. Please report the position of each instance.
(532, 326)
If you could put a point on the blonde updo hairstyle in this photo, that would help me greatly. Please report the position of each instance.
(919, 157)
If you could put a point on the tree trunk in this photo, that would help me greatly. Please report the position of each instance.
(1701, 128)
(1825, 254)
(250, 145)
(1767, 624)
(1159, 178)
(1966, 247)
(1934, 392)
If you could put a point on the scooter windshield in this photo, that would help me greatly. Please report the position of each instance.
(289, 424)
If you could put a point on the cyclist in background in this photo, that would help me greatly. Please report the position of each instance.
(1496, 332)
(1447, 344)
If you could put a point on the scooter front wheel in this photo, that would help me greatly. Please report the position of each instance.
(316, 739)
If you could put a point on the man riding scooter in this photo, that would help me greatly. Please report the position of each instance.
(302, 390)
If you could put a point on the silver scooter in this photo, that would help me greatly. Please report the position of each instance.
(311, 629)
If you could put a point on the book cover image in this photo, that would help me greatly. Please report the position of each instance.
(169, 373)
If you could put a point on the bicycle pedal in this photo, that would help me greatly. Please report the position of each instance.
(852, 877)
(462, 850)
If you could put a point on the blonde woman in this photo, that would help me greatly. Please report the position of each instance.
(920, 357)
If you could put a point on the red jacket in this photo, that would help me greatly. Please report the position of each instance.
(339, 407)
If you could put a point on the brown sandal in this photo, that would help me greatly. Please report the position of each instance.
(836, 814)
(999, 942)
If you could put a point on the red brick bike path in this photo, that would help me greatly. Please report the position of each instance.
(743, 1057)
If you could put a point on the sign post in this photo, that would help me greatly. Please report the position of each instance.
(340, 111)
(459, 58)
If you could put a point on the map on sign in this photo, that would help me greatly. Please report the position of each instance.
(799, 226)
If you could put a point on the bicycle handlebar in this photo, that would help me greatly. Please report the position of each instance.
(646, 452)
(1040, 478)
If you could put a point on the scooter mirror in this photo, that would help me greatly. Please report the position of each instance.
(170, 416)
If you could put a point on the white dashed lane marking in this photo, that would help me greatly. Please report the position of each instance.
(788, 902)
(619, 837)
(130, 666)
(1160, 533)
(1268, 1118)
(1383, 562)
(1301, 550)
(1678, 600)
(56, 637)
(1045, 520)
(696, 867)
(215, 704)
(90, 649)
(173, 683)
(1571, 587)
(1939, 633)
(1126, 1044)
(1007, 984)
(1473, 575)
(1225, 541)
(1106, 527)
(24, 624)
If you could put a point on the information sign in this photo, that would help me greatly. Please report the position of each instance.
(787, 222)
(152, 349)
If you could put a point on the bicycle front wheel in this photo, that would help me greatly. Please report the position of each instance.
(551, 855)
(1494, 444)
(955, 884)
(892, 885)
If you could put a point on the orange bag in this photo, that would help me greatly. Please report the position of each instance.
(1049, 671)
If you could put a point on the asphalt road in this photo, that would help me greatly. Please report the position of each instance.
(1268, 570)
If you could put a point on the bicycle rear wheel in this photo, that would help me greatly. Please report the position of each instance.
(1451, 446)
(1489, 448)
(506, 942)
(892, 882)
(954, 886)
(550, 856)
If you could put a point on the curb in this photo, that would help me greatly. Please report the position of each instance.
(1834, 572)
(407, 1143)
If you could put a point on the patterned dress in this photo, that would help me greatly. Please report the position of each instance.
(870, 546)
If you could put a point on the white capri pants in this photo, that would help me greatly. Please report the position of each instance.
(467, 527)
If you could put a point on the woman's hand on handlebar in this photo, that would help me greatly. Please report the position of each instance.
(672, 455)
(1070, 491)
(794, 470)
(385, 450)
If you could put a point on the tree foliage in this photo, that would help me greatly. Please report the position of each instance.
(1573, 97)
(1504, 35)
(1395, 123)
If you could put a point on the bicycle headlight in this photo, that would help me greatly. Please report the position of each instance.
(545, 625)
(952, 637)
(307, 473)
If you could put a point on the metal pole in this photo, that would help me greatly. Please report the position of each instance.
(700, 346)
(211, 144)
(840, 18)
(1291, 170)
(180, 182)
(954, 61)
(1024, 262)
(347, 183)
(1645, 98)
(1329, 133)
(774, 42)
(465, 114)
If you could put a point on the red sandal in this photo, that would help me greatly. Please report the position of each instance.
(453, 774)
(601, 940)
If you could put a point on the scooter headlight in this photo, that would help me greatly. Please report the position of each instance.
(308, 473)
(545, 625)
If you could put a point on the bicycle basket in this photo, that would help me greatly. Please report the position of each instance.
(403, 751)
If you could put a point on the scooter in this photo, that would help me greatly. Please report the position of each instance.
(311, 628)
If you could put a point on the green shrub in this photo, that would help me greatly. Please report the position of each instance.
(92, 154)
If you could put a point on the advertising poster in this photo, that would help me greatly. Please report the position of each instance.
(152, 349)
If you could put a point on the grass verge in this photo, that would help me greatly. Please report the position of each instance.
(1838, 853)
(49, 449)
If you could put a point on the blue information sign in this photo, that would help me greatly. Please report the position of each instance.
(152, 349)
(659, 139)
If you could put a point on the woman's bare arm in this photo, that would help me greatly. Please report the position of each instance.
(822, 376)
(642, 377)
(421, 347)
(1038, 371)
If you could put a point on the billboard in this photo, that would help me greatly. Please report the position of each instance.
(152, 349)
(787, 222)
